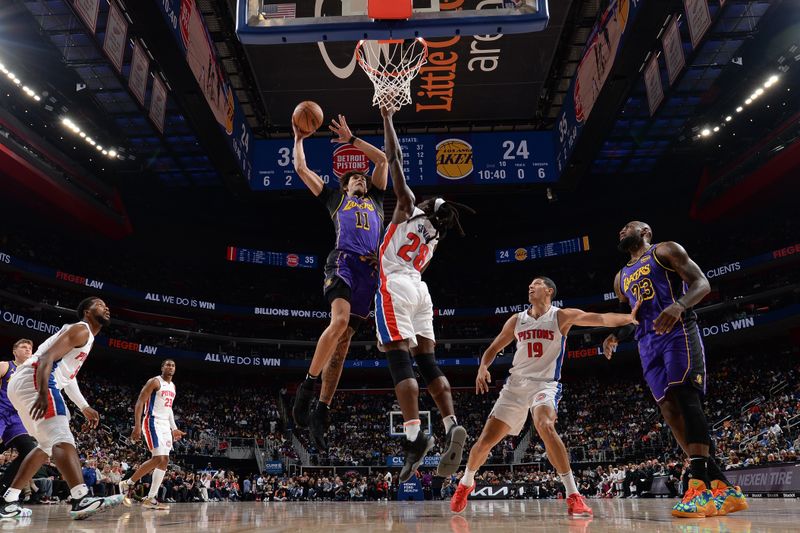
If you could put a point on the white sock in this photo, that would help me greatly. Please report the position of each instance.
(569, 483)
(11, 495)
(449, 421)
(79, 491)
(468, 479)
(411, 429)
(158, 477)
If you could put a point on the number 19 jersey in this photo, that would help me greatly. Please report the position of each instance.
(540, 346)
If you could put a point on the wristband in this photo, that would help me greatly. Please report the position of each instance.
(352, 139)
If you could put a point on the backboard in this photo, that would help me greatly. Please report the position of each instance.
(303, 21)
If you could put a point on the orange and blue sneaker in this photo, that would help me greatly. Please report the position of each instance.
(576, 506)
(698, 502)
(459, 500)
(728, 499)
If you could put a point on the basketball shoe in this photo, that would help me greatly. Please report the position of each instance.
(459, 500)
(152, 503)
(415, 454)
(728, 499)
(301, 409)
(125, 488)
(14, 510)
(576, 506)
(451, 458)
(696, 503)
(318, 424)
(89, 505)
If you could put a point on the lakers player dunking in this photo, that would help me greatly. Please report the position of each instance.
(668, 283)
(35, 392)
(404, 311)
(356, 210)
(153, 412)
(533, 386)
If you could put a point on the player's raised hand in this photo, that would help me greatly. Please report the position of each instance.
(177, 434)
(610, 346)
(136, 434)
(665, 321)
(92, 418)
(387, 111)
(483, 380)
(341, 129)
(299, 135)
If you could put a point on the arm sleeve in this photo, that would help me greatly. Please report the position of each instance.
(172, 424)
(74, 393)
(377, 196)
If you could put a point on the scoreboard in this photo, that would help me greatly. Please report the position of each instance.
(538, 251)
(494, 158)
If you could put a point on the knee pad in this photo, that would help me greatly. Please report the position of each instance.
(693, 416)
(428, 368)
(399, 365)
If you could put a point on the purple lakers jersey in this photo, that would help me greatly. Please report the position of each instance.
(5, 403)
(656, 285)
(358, 220)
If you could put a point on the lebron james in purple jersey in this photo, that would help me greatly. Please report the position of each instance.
(667, 283)
(351, 276)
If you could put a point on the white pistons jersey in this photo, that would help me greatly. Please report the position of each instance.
(159, 405)
(407, 247)
(65, 369)
(540, 346)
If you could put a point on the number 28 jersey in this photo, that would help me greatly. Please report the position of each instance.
(408, 247)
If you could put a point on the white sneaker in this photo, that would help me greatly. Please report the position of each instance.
(14, 510)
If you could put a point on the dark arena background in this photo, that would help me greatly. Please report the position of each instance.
(147, 159)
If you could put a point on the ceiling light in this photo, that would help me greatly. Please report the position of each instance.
(112, 153)
(105, 152)
(705, 132)
(739, 109)
(716, 128)
(748, 101)
(99, 148)
(759, 91)
(37, 97)
(728, 118)
(82, 134)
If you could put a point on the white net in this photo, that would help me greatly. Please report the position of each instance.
(391, 65)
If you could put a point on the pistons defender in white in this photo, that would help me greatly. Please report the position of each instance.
(35, 392)
(404, 311)
(154, 420)
(533, 386)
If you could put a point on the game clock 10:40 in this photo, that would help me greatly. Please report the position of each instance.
(428, 159)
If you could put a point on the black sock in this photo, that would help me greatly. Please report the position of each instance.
(697, 467)
(714, 472)
(310, 380)
(322, 406)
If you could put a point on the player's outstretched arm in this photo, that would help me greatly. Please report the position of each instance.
(76, 335)
(620, 334)
(405, 198)
(309, 177)
(148, 389)
(577, 317)
(378, 158)
(502, 340)
(672, 255)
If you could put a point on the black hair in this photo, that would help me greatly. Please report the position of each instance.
(549, 283)
(445, 217)
(344, 180)
(165, 361)
(84, 306)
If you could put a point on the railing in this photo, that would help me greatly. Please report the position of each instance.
(302, 453)
(259, 454)
(522, 447)
(777, 388)
(720, 423)
(750, 404)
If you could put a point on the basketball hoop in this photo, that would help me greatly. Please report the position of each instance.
(391, 65)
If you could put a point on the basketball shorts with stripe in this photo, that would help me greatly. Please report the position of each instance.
(54, 427)
(157, 436)
(403, 310)
(521, 396)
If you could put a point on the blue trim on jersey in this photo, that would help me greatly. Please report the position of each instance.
(558, 396)
(380, 319)
(151, 423)
(58, 402)
(560, 359)
(151, 403)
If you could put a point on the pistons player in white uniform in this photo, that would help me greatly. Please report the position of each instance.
(35, 392)
(404, 312)
(533, 386)
(154, 420)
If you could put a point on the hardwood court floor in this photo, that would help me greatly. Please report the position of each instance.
(764, 515)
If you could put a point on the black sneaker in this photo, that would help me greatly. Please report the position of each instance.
(14, 510)
(302, 404)
(318, 424)
(89, 505)
(415, 453)
(451, 457)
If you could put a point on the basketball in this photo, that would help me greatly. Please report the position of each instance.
(307, 116)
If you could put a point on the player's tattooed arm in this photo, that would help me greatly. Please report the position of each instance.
(674, 256)
(394, 154)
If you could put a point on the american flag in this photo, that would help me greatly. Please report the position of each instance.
(278, 11)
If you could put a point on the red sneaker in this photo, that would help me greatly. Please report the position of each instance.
(459, 500)
(576, 506)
